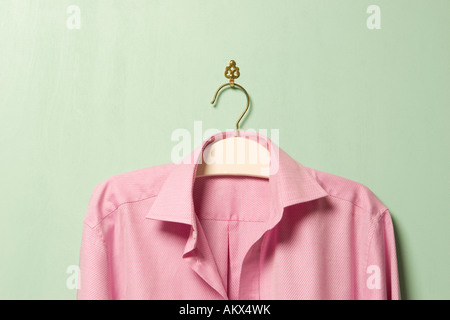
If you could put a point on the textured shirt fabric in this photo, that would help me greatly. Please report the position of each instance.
(162, 233)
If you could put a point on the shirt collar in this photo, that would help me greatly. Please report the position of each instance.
(290, 183)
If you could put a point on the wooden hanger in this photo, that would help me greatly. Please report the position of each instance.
(235, 155)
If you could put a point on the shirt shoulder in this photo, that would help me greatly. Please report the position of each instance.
(123, 188)
(350, 191)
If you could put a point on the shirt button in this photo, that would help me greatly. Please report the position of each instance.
(194, 234)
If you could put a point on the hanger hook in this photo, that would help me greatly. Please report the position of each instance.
(246, 108)
(232, 72)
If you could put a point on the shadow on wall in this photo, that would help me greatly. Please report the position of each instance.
(400, 259)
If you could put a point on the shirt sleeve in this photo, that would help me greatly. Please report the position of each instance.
(93, 263)
(382, 282)
(94, 275)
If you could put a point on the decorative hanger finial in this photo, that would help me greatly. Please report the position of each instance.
(232, 72)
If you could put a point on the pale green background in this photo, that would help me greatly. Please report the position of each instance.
(79, 106)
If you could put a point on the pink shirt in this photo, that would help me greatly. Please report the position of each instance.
(303, 234)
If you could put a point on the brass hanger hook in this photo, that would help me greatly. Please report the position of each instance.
(232, 72)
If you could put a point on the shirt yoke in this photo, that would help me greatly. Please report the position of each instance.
(348, 190)
(123, 188)
(145, 183)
